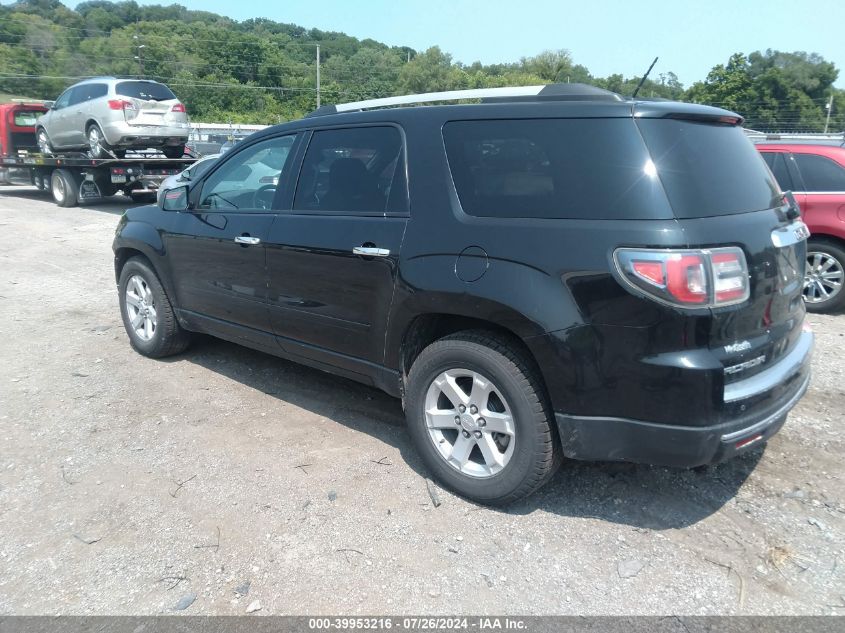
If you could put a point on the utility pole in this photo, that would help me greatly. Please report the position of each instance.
(829, 110)
(140, 55)
(318, 75)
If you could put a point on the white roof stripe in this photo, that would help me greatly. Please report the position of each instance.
(449, 95)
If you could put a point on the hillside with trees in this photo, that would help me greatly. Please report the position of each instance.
(261, 71)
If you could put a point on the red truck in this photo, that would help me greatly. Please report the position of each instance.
(74, 178)
(815, 173)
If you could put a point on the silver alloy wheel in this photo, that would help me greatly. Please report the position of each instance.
(470, 423)
(823, 278)
(59, 190)
(95, 141)
(43, 142)
(140, 308)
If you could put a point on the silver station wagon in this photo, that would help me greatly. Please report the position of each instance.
(106, 116)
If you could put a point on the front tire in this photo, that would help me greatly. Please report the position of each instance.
(479, 416)
(825, 277)
(147, 313)
(44, 145)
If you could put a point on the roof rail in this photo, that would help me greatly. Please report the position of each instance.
(580, 92)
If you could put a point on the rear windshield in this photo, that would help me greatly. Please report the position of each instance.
(553, 168)
(708, 169)
(26, 117)
(146, 90)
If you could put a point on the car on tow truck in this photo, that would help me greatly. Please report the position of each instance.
(106, 116)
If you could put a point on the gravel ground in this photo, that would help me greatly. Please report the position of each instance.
(224, 480)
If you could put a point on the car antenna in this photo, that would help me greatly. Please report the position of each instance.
(642, 81)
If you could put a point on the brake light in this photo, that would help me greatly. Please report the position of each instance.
(686, 278)
(179, 107)
(121, 104)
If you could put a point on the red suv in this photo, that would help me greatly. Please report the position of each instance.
(815, 173)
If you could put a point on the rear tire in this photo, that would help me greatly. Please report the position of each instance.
(825, 274)
(147, 314)
(64, 187)
(98, 147)
(491, 471)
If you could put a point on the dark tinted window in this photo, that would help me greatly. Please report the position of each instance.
(64, 100)
(820, 173)
(147, 90)
(708, 169)
(77, 95)
(87, 92)
(354, 170)
(553, 168)
(777, 163)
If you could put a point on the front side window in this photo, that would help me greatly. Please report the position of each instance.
(64, 100)
(353, 170)
(820, 173)
(249, 179)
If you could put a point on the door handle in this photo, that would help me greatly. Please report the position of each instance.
(247, 240)
(370, 251)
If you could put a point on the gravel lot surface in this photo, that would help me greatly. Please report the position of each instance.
(226, 481)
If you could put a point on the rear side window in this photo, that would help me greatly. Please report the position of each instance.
(777, 163)
(820, 173)
(708, 169)
(353, 170)
(87, 92)
(147, 90)
(553, 168)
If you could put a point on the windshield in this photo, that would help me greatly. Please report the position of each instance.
(708, 169)
(147, 90)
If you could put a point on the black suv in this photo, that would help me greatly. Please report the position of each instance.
(547, 272)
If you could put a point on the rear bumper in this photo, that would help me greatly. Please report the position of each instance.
(122, 133)
(620, 439)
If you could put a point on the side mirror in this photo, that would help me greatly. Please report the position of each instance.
(793, 211)
(49, 104)
(175, 199)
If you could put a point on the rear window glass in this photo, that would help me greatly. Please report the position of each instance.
(144, 90)
(27, 117)
(708, 169)
(553, 168)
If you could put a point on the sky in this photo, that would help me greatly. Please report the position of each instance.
(606, 36)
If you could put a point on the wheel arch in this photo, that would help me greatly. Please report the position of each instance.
(140, 238)
(827, 237)
(424, 329)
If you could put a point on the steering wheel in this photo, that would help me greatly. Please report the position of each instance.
(263, 197)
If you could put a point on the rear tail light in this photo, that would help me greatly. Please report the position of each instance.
(686, 278)
(121, 104)
(179, 107)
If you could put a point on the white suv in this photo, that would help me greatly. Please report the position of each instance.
(107, 116)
